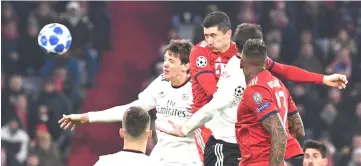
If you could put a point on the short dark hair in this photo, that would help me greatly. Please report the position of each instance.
(136, 121)
(181, 48)
(312, 144)
(219, 19)
(246, 31)
(255, 48)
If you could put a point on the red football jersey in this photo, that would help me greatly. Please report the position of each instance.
(265, 95)
(205, 69)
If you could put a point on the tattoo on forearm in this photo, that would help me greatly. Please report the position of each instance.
(278, 134)
(295, 126)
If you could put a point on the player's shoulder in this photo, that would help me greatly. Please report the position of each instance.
(200, 48)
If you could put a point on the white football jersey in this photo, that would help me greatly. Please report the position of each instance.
(171, 103)
(226, 99)
(127, 158)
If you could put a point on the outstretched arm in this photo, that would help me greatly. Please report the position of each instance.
(293, 73)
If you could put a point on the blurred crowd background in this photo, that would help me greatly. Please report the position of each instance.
(117, 50)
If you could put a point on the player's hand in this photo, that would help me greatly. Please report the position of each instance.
(70, 121)
(176, 130)
(335, 80)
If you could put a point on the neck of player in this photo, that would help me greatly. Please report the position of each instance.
(137, 145)
(253, 71)
(179, 79)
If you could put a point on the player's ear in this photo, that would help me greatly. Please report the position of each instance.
(150, 133)
(121, 132)
(186, 67)
(229, 33)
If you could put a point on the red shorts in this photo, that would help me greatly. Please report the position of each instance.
(261, 163)
(201, 136)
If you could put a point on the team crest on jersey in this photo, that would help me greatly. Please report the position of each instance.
(185, 97)
(257, 98)
(238, 91)
(201, 61)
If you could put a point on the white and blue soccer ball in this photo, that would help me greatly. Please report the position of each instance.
(54, 39)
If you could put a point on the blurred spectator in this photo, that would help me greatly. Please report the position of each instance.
(278, 15)
(184, 25)
(307, 38)
(341, 42)
(273, 51)
(32, 160)
(43, 14)
(8, 14)
(79, 25)
(15, 140)
(45, 149)
(14, 88)
(308, 61)
(101, 28)
(356, 158)
(342, 63)
(31, 56)
(71, 64)
(10, 39)
(52, 106)
(3, 157)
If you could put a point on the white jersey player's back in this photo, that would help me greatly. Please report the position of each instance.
(230, 88)
(127, 158)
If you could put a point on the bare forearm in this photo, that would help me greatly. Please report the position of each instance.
(295, 126)
(278, 134)
(278, 149)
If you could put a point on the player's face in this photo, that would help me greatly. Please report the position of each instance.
(313, 157)
(172, 66)
(216, 39)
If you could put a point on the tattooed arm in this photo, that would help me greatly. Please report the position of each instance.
(295, 126)
(274, 127)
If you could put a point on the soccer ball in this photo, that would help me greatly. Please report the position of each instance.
(54, 39)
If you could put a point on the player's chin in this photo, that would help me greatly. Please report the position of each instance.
(166, 75)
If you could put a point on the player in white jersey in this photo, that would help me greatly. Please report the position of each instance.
(171, 95)
(136, 132)
(220, 114)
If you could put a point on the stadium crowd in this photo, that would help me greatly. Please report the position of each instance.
(37, 90)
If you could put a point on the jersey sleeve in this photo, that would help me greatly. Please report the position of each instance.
(293, 73)
(292, 108)
(202, 71)
(259, 100)
(146, 100)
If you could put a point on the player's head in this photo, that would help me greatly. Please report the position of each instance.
(176, 59)
(135, 125)
(315, 153)
(254, 55)
(217, 31)
(246, 31)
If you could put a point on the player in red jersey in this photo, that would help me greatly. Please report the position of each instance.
(209, 57)
(262, 125)
(207, 60)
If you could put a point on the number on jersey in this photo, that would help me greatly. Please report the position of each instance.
(282, 104)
